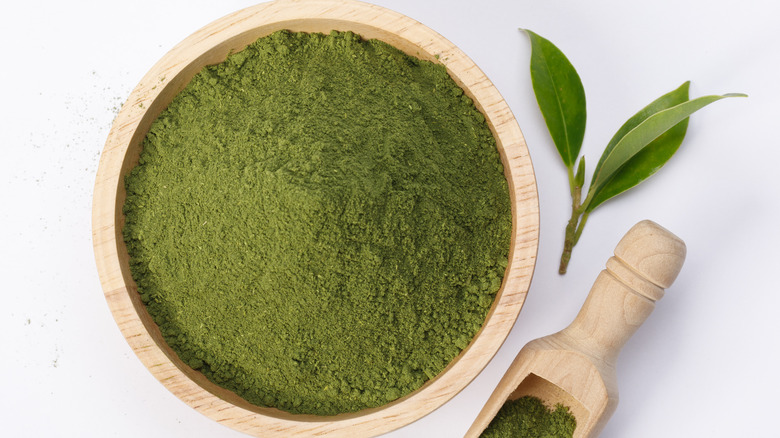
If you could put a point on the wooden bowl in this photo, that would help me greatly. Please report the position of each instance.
(211, 45)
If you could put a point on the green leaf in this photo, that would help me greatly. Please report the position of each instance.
(638, 138)
(647, 161)
(560, 95)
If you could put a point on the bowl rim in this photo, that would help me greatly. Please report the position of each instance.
(210, 45)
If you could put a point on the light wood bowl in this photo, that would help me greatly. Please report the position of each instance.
(211, 45)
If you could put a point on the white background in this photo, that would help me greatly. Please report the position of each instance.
(705, 364)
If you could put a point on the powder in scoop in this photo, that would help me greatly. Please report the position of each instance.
(528, 417)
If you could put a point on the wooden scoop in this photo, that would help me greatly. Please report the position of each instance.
(576, 366)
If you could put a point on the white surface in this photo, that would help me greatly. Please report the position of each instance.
(704, 364)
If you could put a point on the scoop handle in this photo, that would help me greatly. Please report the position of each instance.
(647, 260)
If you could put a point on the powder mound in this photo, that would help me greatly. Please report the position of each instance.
(528, 417)
(320, 223)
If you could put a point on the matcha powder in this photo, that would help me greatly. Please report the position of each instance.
(528, 417)
(319, 223)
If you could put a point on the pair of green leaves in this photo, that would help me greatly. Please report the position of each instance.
(639, 148)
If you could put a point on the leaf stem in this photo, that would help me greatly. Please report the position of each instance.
(576, 222)
(568, 242)
(580, 226)
(572, 181)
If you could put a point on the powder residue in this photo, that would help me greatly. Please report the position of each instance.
(528, 417)
(320, 223)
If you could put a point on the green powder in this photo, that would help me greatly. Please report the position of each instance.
(528, 417)
(319, 223)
